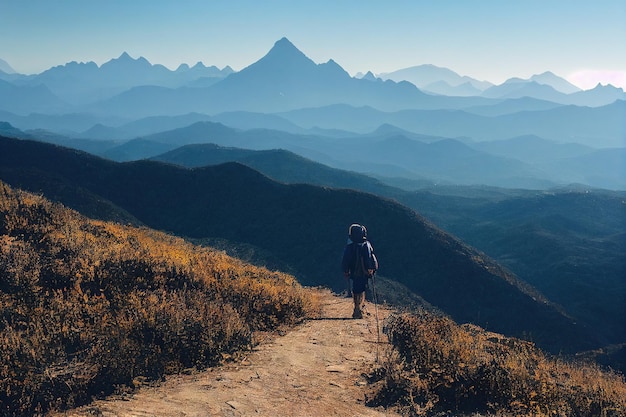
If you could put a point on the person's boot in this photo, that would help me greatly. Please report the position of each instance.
(357, 313)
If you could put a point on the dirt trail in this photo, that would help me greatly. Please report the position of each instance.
(314, 370)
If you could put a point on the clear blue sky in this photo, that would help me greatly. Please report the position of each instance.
(486, 39)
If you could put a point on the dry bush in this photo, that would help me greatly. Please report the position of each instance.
(87, 306)
(441, 367)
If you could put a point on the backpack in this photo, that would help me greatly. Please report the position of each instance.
(360, 270)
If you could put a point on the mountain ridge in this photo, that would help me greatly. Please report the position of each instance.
(212, 201)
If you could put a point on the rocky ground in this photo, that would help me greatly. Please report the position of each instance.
(317, 369)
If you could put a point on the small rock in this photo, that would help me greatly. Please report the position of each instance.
(233, 404)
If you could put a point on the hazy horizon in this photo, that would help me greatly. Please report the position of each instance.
(486, 40)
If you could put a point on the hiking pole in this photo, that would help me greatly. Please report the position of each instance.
(376, 314)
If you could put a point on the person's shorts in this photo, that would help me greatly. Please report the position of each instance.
(359, 284)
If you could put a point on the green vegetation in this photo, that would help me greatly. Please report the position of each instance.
(437, 366)
(89, 306)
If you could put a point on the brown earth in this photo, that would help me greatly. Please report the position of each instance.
(317, 369)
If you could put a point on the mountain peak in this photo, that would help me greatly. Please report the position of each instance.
(370, 76)
(284, 49)
(182, 68)
(282, 55)
(125, 57)
(284, 43)
(125, 61)
(554, 81)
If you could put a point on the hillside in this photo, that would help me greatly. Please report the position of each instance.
(300, 226)
(88, 307)
(554, 240)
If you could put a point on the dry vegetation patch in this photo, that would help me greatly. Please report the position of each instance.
(88, 306)
(441, 367)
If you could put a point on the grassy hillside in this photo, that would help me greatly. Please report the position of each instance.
(305, 227)
(440, 368)
(87, 306)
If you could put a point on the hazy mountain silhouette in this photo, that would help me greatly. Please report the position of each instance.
(526, 161)
(23, 100)
(156, 124)
(142, 127)
(82, 83)
(135, 149)
(554, 81)
(8, 130)
(441, 87)
(282, 80)
(384, 154)
(285, 78)
(5, 67)
(69, 124)
(532, 149)
(249, 120)
(425, 75)
(369, 76)
(549, 87)
(511, 106)
(603, 168)
(597, 96)
(518, 88)
(278, 164)
(596, 127)
(298, 225)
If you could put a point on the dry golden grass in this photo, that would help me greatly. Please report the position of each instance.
(88, 306)
(438, 366)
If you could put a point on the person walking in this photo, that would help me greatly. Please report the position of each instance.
(359, 263)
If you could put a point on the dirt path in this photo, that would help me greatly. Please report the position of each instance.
(314, 370)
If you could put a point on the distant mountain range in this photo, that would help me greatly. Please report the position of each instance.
(438, 80)
(82, 83)
(527, 161)
(126, 98)
(284, 79)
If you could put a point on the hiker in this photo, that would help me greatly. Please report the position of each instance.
(359, 264)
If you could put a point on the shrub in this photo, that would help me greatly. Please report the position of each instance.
(439, 366)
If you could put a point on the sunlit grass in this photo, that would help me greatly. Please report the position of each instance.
(438, 366)
(89, 306)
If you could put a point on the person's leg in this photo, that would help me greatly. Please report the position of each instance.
(358, 295)
(357, 313)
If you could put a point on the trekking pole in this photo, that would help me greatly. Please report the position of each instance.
(376, 314)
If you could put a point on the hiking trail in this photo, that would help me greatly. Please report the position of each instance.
(316, 369)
